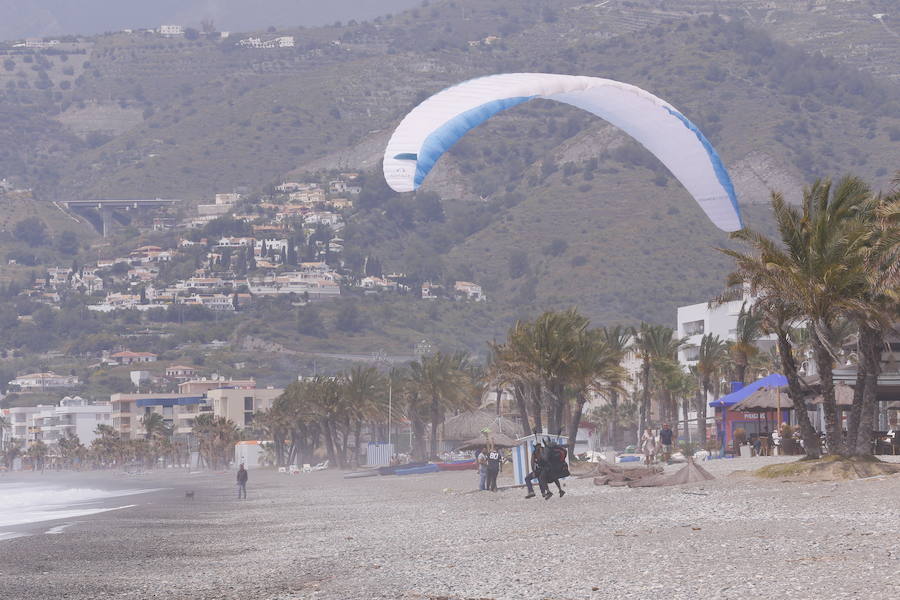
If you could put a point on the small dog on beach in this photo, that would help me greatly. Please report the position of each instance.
(189, 495)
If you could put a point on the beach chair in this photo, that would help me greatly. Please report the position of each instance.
(307, 468)
(282, 469)
(321, 466)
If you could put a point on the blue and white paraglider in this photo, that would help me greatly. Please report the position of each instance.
(436, 124)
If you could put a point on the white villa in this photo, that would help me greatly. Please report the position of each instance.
(43, 381)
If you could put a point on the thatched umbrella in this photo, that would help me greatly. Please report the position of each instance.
(499, 440)
(843, 395)
(472, 423)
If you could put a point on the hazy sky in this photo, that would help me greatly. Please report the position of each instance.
(36, 18)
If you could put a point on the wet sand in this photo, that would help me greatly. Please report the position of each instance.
(430, 536)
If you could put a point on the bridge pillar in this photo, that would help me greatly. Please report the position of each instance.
(106, 216)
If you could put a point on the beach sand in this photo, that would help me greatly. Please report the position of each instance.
(318, 535)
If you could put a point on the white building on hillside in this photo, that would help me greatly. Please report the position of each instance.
(43, 381)
(469, 290)
(171, 30)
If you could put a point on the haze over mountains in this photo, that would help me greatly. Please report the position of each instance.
(38, 18)
(546, 206)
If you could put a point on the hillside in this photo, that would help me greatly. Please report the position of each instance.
(546, 206)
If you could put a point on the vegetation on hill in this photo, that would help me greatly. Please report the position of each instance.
(545, 206)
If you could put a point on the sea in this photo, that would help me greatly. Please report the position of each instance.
(25, 503)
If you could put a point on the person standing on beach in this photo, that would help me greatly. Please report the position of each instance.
(665, 439)
(494, 458)
(648, 446)
(481, 461)
(242, 482)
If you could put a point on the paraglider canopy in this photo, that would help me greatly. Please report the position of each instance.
(438, 122)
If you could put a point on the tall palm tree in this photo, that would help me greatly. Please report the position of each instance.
(744, 348)
(446, 382)
(5, 425)
(877, 314)
(12, 451)
(217, 436)
(509, 365)
(327, 402)
(594, 368)
(154, 425)
(365, 390)
(618, 339)
(37, 452)
(818, 266)
(653, 344)
(713, 353)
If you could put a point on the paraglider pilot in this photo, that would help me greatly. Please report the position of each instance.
(538, 464)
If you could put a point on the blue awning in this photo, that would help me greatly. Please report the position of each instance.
(172, 401)
(773, 380)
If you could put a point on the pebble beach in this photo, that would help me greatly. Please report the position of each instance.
(320, 536)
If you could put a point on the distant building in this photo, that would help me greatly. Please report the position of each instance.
(204, 385)
(430, 290)
(181, 372)
(127, 357)
(696, 320)
(238, 405)
(73, 417)
(20, 420)
(171, 30)
(178, 411)
(44, 381)
(229, 198)
(255, 42)
(471, 291)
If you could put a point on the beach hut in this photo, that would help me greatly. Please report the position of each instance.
(521, 454)
(250, 453)
(379, 454)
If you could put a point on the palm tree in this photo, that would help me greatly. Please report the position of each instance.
(711, 359)
(365, 391)
(507, 366)
(5, 425)
(594, 368)
(817, 269)
(12, 451)
(653, 344)
(154, 425)
(618, 339)
(217, 436)
(879, 310)
(106, 447)
(446, 381)
(37, 452)
(326, 401)
(744, 347)
(70, 448)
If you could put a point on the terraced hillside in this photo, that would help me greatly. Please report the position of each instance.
(786, 90)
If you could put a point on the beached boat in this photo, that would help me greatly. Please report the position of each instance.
(358, 474)
(457, 465)
(417, 470)
(392, 470)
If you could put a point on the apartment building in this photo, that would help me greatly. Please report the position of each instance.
(238, 405)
